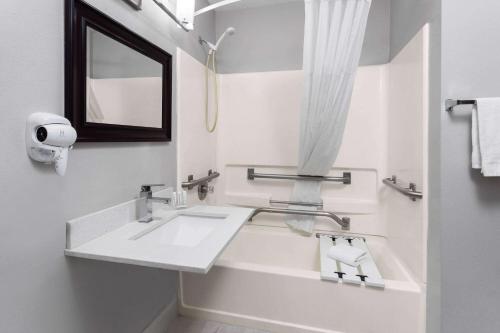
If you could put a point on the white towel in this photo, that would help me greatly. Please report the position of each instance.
(346, 254)
(486, 136)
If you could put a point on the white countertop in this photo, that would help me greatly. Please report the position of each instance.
(128, 244)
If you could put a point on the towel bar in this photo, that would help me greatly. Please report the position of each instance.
(451, 103)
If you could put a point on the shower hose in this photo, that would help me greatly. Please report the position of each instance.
(211, 61)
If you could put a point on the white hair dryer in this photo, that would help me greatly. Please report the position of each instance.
(49, 137)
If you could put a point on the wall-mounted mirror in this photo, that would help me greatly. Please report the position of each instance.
(118, 85)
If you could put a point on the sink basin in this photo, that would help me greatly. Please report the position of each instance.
(187, 230)
(189, 240)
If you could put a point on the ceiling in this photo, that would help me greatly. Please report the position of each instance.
(250, 3)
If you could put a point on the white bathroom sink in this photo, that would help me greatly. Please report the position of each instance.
(188, 240)
(184, 229)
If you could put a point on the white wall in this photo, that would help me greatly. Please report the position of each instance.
(408, 17)
(470, 203)
(40, 289)
(259, 128)
(407, 152)
(196, 146)
(271, 37)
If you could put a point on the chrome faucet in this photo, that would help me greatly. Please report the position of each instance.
(146, 199)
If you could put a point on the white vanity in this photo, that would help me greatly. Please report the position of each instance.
(186, 240)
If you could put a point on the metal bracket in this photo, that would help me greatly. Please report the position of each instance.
(451, 103)
(136, 4)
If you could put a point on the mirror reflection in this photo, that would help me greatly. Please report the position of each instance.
(124, 87)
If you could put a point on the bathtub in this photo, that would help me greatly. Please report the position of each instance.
(268, 278)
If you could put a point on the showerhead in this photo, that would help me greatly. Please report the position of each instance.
(229, 31)
(212, 48)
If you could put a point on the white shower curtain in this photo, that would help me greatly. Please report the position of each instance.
(333, 38)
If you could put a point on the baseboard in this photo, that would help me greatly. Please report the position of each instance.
(164, 318)
(248, 321)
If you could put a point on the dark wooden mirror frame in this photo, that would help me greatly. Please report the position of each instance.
(79, 16)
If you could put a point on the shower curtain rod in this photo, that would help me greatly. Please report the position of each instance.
(182, 24)
(172, 15)
(215, 6)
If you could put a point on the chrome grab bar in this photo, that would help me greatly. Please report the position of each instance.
(345, 179)
(192, 183)
(410, 191)
(296, 203)
(344, 222)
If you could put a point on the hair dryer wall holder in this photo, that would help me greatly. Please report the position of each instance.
(49, 137)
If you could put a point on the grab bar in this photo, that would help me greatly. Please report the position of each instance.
(346, 178)
(410, 191)
(296, 203)
(192, 183)
(344, 222)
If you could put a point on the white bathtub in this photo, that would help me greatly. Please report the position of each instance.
(268, 278)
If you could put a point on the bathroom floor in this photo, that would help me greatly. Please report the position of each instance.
(189, 325)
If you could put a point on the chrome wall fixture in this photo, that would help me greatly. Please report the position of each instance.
(186, 13)
(145, 208)
(296, 203)
(136, 4)
(202, 183)
(344, 222)
(345, 179)
(410, 191)
(451, 103)
(172, 15)
(215, 6)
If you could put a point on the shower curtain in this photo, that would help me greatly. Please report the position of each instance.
(333, 38)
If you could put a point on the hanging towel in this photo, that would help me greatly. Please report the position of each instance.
(486, 136)
(348, 255)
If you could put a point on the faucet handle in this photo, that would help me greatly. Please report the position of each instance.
(147, 187)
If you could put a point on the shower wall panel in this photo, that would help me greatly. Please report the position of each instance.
(407, 152)
(259, 127)
(196, 148)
